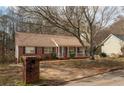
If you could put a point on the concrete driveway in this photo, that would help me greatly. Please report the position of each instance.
(115, 78)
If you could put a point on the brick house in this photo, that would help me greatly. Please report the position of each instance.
(30, 44)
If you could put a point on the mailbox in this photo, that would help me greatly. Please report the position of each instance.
(30, 69)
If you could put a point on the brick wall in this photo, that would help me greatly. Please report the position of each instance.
(21, 51)
(39, 51)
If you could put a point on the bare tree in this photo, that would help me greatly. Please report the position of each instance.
(98, 18)
(83, 22)
(7, 34)
(3, 24)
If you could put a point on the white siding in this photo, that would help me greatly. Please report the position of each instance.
(112, 46)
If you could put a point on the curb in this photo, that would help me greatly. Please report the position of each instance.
(110, 70)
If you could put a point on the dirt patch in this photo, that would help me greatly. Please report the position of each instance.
(74, 70)
(67, 74)
(57, 73)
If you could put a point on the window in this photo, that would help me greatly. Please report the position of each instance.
(48, 50)
(80, 50)
(72, 49)
(30, 50)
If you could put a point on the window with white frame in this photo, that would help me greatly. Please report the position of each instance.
(30, 50)
(80, 50)
(72, 49)
(48, 50)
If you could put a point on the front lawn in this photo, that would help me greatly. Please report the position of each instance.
(10, 74)
(60, 72)
(76, 69)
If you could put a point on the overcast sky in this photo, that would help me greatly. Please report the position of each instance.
(3, 9)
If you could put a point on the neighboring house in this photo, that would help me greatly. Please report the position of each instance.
(30, 44)
(113, 44)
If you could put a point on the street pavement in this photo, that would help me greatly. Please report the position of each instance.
(114, 78)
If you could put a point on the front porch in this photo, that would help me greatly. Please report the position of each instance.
(65, 52)
(60, 52)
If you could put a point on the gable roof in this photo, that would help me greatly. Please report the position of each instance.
(44, 40)
(121, 37)
(101, 35)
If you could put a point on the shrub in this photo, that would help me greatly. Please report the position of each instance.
(72, 54)
(8, 58)
(103, 55)
(53, 56)
(21, 60)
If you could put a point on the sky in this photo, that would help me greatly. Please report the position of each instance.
(61, 2)
(3, 9)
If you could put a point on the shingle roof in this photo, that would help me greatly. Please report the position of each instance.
(44, 40)
(119, 36)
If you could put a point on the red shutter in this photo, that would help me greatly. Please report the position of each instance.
(23, 50)
(42, 50)
(53, 50)
(35, 50)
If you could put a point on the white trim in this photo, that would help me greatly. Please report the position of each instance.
(56, 51)
(58, 54)
(83, 51)
(62, 51)
(48, 50)
(17, 52)
(67, 51)
(107, 38)
(28, 50)
(76, 52)
(55, 42)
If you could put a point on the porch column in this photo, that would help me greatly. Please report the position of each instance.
(17, 52)
(83, 52)
(76, 52)
(62, 51)
(67, 51)
(58, 52)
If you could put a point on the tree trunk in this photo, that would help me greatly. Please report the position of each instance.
(3, 47)
(91, 43)
(92, 54)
